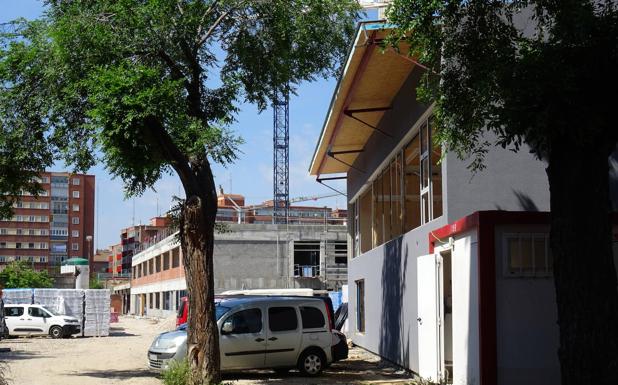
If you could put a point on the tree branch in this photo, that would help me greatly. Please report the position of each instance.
(212, 28)
(208, 11)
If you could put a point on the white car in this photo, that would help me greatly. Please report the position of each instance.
(261, 332)
(38, 320)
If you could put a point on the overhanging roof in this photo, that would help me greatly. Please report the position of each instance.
(370, 80)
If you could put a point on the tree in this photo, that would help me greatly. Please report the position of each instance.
(540, 73)
(18, 275)
(154, 86)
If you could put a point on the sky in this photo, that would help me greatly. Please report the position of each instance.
(251, 175)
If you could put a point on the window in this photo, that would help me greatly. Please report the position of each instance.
(175, 257)
(13, 311)
(74, 246)
(44, 232)
(44, 179)
(75, 220)
(75, 181)
(42, 259)
(19, 231)
(18, 218)
(245, 321)
(75, 194)
(43, 245)
(360, 306)
(527, 255)
(311, 317)
(75, 207)
(2, 245)
(282, 319)
(32, 218)
(3, 231)
(31, 245)
(31, 232)
(18, 245)
(37, 312)
(75, 233)
(166, 261)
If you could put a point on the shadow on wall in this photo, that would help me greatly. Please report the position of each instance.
(525, 203)
(394, 340)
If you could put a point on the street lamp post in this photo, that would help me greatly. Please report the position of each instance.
(89, 240)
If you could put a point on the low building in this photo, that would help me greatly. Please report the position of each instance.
(247, 256)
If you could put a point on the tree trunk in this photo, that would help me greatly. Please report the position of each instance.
(197, 241)
(584, 271)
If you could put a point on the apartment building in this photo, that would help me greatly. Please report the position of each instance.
(134, 239)
(54, 226)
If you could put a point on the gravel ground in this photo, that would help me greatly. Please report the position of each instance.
(121, 359)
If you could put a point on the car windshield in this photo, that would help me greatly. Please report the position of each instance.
(51, 311)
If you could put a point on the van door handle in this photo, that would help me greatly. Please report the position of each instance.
(273, 339)
(259, 339)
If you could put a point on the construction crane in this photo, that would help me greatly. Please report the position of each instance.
(281, 156)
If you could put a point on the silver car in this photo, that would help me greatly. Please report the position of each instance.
(257, 332)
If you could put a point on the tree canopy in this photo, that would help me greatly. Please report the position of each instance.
(539, 73)
(19, 275)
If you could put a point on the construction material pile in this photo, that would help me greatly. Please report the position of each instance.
(97, 312)
(61, 301)
(17, 296)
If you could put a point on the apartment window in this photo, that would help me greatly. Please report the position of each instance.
(166, 261)
(175, 257)
(2, 231)
(31, 232)
(74, 246)
(19, 204)
(44, 232)
(45, 179)
(31, 245)
(18, 245)
(32, 218)
(44, 193)
(2, 245)
(75, 220)
(43, 245)
(19, 231)
(75, 207)
(42, 259)
(75, 181)
(75, 233)
(75, 194)
(18, 218)
(527, 255)
(44, 218)
(360, 306)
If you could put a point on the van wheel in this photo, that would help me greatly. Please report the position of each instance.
(311, 362)
(55, 332)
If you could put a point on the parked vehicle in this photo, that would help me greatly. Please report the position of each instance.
(183, 309)
(37, 319)
(276, 332)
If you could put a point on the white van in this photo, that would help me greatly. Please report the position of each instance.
(37, 319)
(258, 332)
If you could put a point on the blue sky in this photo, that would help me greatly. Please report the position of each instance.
(250, 175)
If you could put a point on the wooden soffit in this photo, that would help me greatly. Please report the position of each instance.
(371, 79)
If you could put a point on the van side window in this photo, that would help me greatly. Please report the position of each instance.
(246, 321)
(13, 311)
(282, 319)
(312, 317)
(36, 312)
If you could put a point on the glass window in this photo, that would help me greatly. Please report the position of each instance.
(527, 255)
(75, 181)
(282, 319)
(411, 166)
(365, 221)
(75, 207)
(37, 312)
(75, 220)
(360, 305)
(74, 246)
(75, 233)
(75, 194)
(245, 321)
(13, 311)
(311, 317)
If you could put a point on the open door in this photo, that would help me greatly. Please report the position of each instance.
(428, 320)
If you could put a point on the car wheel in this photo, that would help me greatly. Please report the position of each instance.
(311, 362)
(56, 332)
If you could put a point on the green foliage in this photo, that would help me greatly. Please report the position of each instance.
(152, 84)
(19, 275)
(96, 284)
(178, 373)
(526, 71)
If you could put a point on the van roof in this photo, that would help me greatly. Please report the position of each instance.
(234, 300)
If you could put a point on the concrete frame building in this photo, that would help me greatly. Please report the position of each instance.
(248, 256)
(450, 273)
(55, 226)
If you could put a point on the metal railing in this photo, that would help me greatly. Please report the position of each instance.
(306, 271)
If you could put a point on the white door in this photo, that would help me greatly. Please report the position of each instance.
(243, 340)
(428, 317)
(37, 320)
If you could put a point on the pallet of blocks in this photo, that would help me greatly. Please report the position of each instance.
(17, 296)
(97, 312)
(61, 301)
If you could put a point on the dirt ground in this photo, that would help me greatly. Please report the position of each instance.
(121, 359)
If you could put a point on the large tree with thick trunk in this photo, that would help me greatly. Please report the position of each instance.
(153, 86)
(543, 73)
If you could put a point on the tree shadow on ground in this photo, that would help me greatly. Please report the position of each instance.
(18, 355)
(117, 374)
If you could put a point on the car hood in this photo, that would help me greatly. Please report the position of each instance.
(168, 340)
(172, 335)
